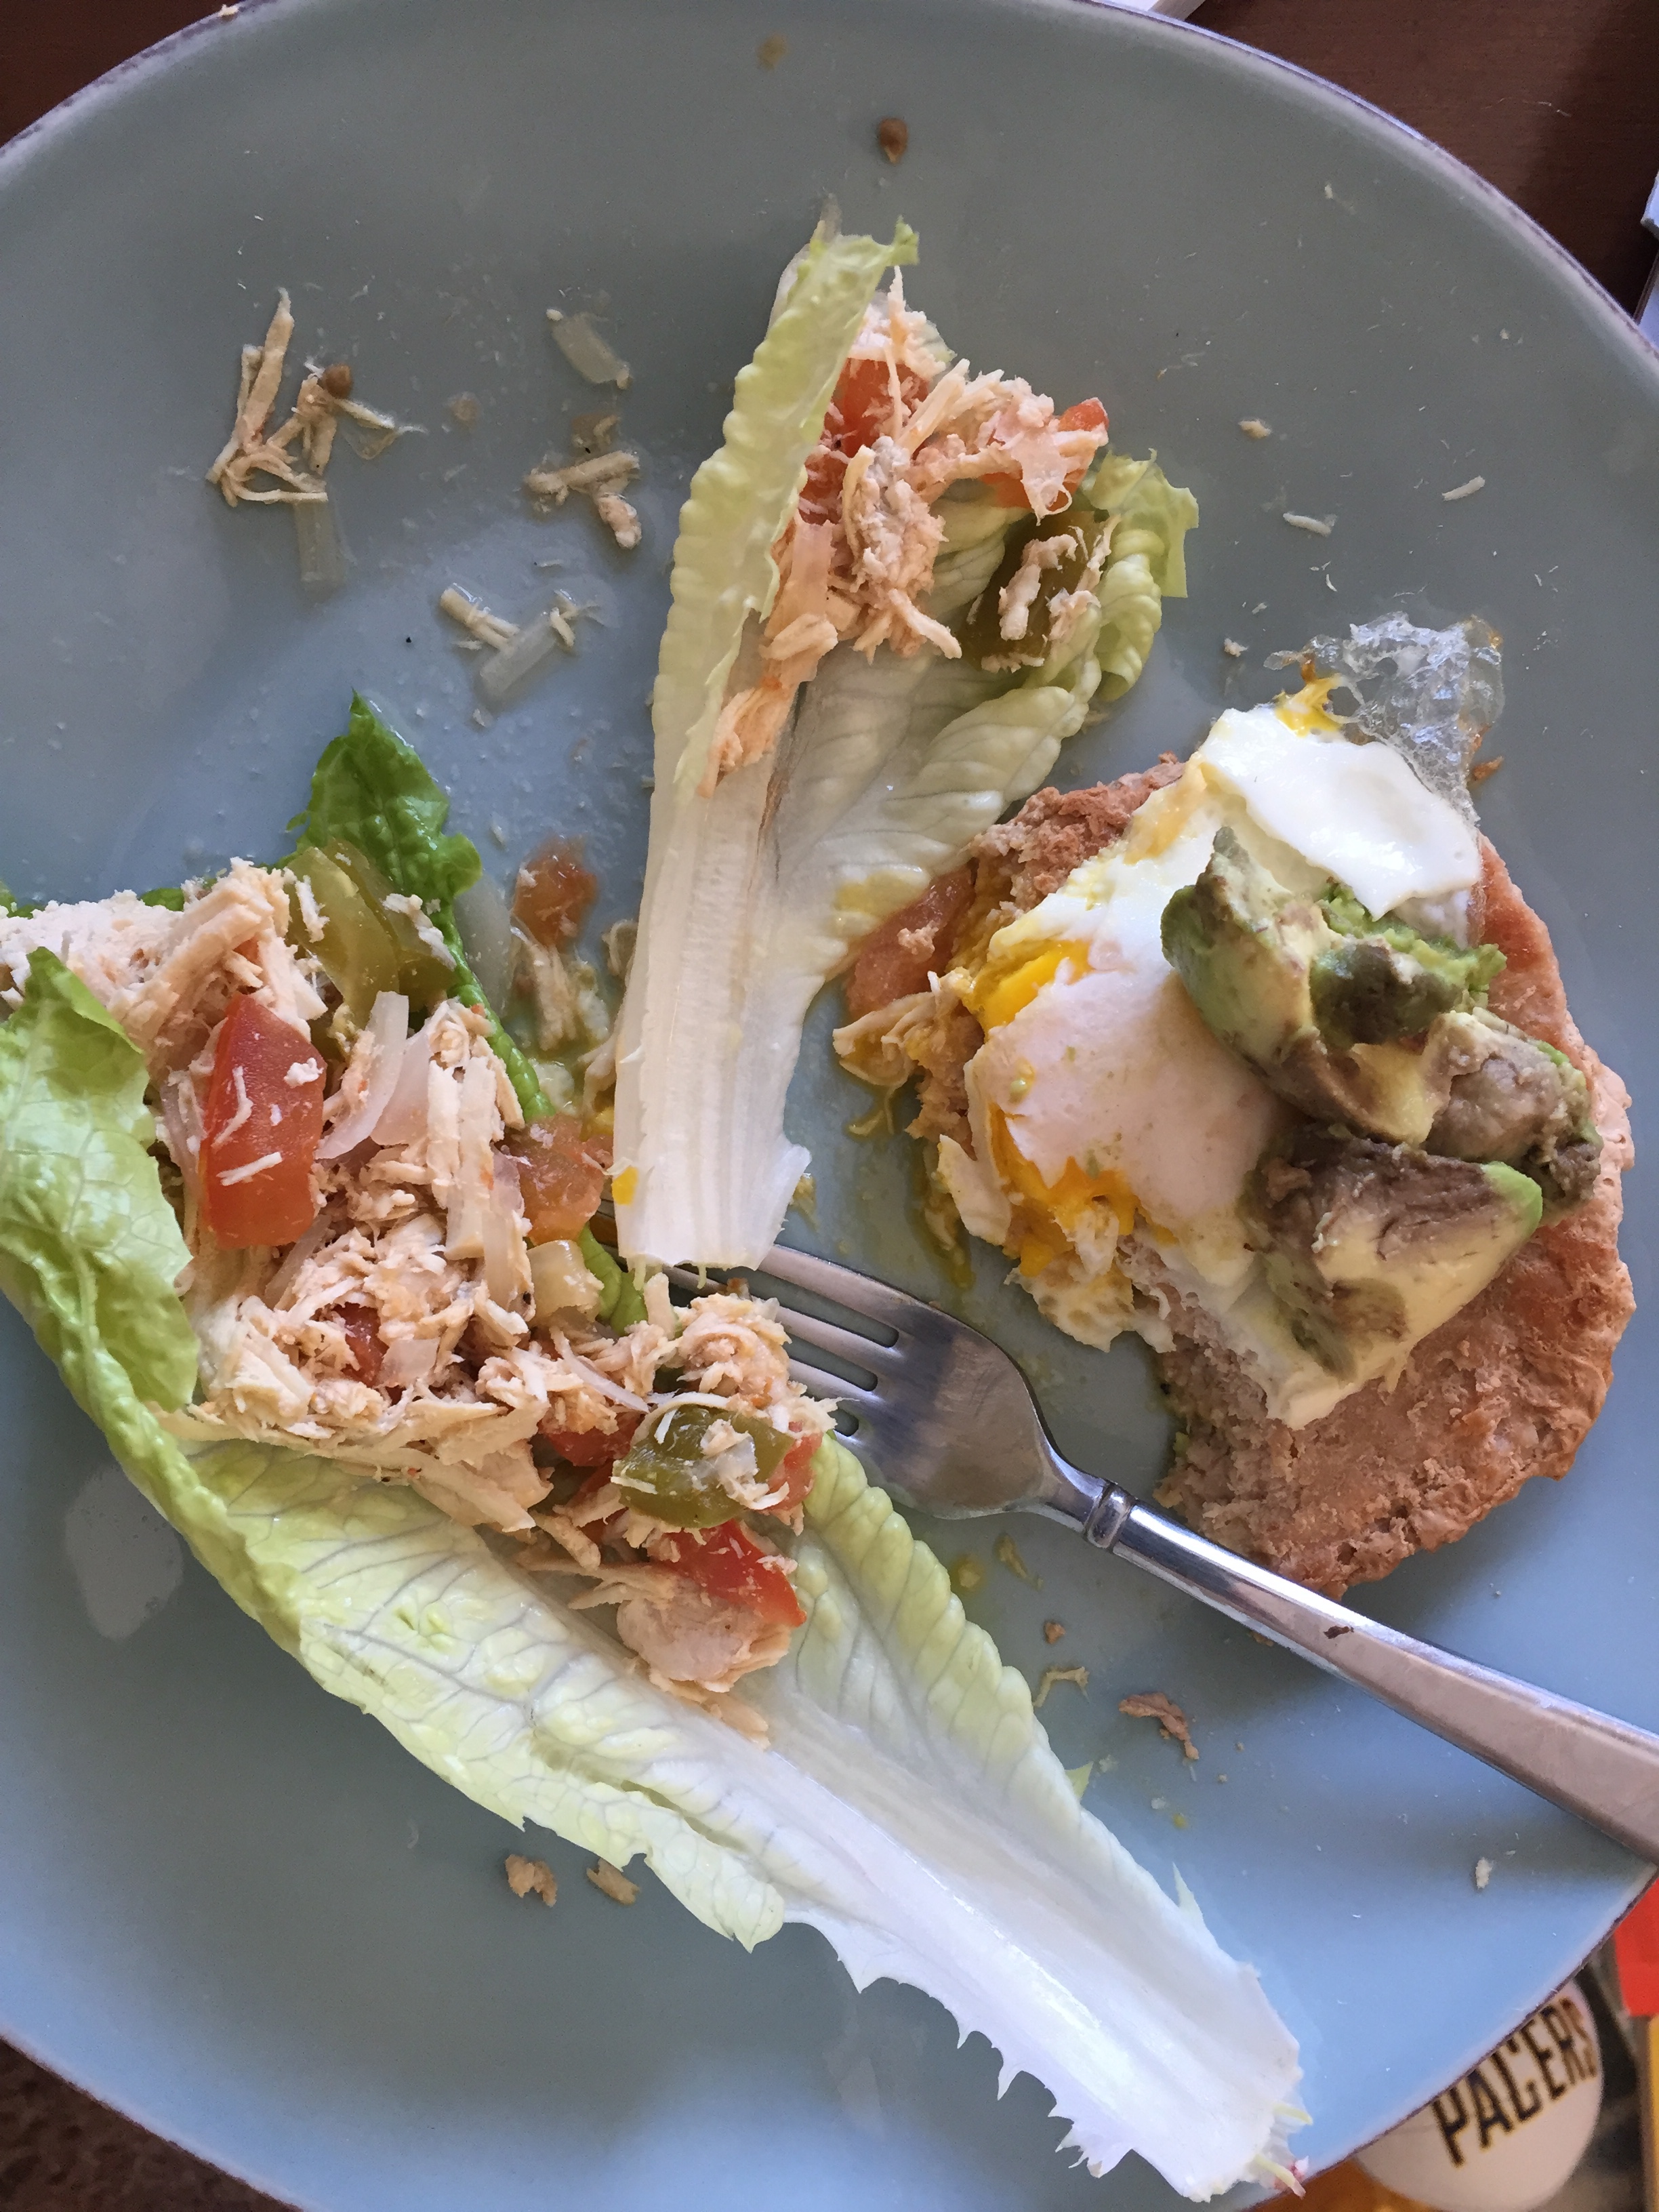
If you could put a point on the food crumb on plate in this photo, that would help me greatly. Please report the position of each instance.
(588, 350)
(1008, 1552)
(475, 618)
(1232, 648)
(1052, 1630)
(596, 474)
(1316, 526)
(967, 1574)
(613, 1882)
(531, 1878)
(1479, 774)
(1483, 1873)
(621, 519)
(770, 52)
(1053, 1675)
(464, 407)
(1464, 490)
(1254, 427)
(1172, 1723)
(893, 136)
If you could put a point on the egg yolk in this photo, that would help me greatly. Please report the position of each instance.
(1056, 1205)
(997, 997)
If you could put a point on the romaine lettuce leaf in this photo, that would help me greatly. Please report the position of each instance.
(93, 1271)
(1147, 563)
(374, 791)
(742, 496)
(909, 1805)
(758, 892)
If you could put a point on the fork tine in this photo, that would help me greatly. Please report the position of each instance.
(858, 1350)
(859, 1294)
(823, 1384)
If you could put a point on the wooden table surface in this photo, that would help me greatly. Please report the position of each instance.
(1555, 101)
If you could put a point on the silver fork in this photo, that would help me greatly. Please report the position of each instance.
(950, 1425)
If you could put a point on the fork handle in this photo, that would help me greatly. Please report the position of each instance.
(1603, 1770)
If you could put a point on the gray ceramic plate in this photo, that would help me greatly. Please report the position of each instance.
(233, 1906)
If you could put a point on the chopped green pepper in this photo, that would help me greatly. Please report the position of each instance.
(982, 639)
(366, 946)
(620, 1302)
(666, 1473)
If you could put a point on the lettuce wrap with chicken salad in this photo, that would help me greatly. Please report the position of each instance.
(898, 587)
(889, 1783)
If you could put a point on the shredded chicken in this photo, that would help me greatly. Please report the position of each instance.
(620, 519)
(400, 1333)
(322, 403)
(1172, 1722)
(613, 1882)
(855, 561)
(1051, 1675)
(531, 1878)
(602, 476)
(166, 976)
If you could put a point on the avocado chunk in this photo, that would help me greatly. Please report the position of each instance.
(1318, 1013)
(1367, 1247)
(1369, 1025)
(1514, 1099)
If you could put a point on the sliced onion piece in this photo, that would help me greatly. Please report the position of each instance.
(181, 1119)
(485, 922)
(298, 1253)
(404, 1118)
(507, 1267)
(382, 1043)
(411, 1360)
(322, 551)
(542, 638)
(589, 352)
(562, 1281)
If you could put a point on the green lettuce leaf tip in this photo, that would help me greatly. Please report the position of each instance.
(375, 792)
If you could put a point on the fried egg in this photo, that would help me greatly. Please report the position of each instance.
(1101, 1106)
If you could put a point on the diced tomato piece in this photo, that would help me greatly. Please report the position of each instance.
(1087, 415)
(561, 1175)
(820, 497)
(732, 1567)
(260, 1130)
(885, 968)
(361, 1330)
(592, 1446)
(554, 893)
(797, 1475)
(864, 401)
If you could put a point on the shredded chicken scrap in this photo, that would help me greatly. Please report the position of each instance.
(401, 1334)
(855, 561)
(322, 401)
(602, 477)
